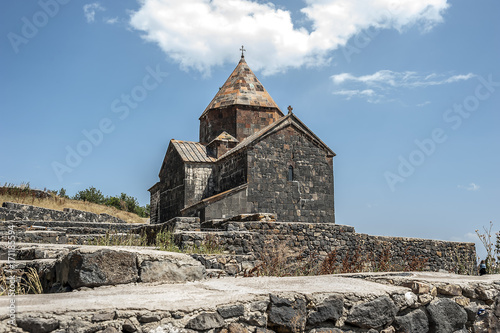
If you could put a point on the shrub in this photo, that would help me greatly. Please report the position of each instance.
(91, 195)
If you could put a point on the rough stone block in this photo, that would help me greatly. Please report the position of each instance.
(446, 316)
(373, 314)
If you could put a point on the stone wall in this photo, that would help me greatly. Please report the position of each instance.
(389, 304)
(309, 197)
(18, 212)
(251, 238)
(231, 172)
(172, 189)
(198, 182)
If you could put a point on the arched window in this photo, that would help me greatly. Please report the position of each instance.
(290, 173)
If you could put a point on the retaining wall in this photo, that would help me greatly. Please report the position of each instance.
(252, 238)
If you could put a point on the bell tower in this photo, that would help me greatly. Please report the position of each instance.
(241, 107)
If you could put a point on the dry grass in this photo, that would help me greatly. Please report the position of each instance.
(59, 203)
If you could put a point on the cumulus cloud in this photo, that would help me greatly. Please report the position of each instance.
(470, 187)
(89, 10)
(380, 83)
(201, 34)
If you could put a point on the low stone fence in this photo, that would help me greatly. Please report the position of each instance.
(394, 303)
(18, 212)
(321, 239)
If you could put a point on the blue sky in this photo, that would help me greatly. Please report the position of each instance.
(406, 94)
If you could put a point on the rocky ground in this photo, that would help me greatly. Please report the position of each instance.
(375, 302)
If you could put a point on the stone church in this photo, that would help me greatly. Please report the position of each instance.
(251, 158)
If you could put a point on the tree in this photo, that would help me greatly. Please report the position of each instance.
(91, 195)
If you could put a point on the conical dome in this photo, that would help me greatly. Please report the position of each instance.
(242, 88)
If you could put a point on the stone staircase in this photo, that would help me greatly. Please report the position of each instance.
(31, 224)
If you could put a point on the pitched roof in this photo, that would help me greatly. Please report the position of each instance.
(192, 151)
(224, 136)
(288, 120)
(242, 88)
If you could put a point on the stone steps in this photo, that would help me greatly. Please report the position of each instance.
(63, 267)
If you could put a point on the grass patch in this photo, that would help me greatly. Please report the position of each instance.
(164, 241)
(59, 203)
(22, 283)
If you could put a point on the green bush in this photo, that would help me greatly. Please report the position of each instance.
(91, 195)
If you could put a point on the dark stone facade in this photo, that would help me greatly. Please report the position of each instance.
(250, 158)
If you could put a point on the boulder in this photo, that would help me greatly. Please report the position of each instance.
(446, 316)
(413, 322)
(286, 316)
(159, 266)
(205, 321)
(329, 310)
(374, 314)
(93, 267)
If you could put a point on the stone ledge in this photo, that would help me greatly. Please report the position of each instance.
(330, 303)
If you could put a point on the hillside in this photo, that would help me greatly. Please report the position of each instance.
(59, 203)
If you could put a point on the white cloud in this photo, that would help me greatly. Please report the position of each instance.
(470, 187)
(383, 82)
(90, 9)
(111, 20)
(387, 78)
(201, 34)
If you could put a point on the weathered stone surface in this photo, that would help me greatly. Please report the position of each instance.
(373, 314)
(326, 330)
(158, 266)
(450, 289)
(149, 317)
(487, 323)
(236, 328)
(414, 322)
(37, 325)
(329, 310)
(109, 329)
(286, 315)
(389, 329)
(103, 316)
(206, 321)
(486, 294)
(131, 325)
(462, 301)
(97, 267)
(263, 330)
(446, 316)
(231, 311)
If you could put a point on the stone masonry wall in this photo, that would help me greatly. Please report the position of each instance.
(309, 197)
(17, 212)
(231, 172)
(408, 304)
(198, 183)
(252, 238)
(172, 189)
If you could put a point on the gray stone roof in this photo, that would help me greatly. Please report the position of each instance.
(192, 151)
(242, 88)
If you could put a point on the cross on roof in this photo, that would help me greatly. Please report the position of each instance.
(290, 109)
(242, 50)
